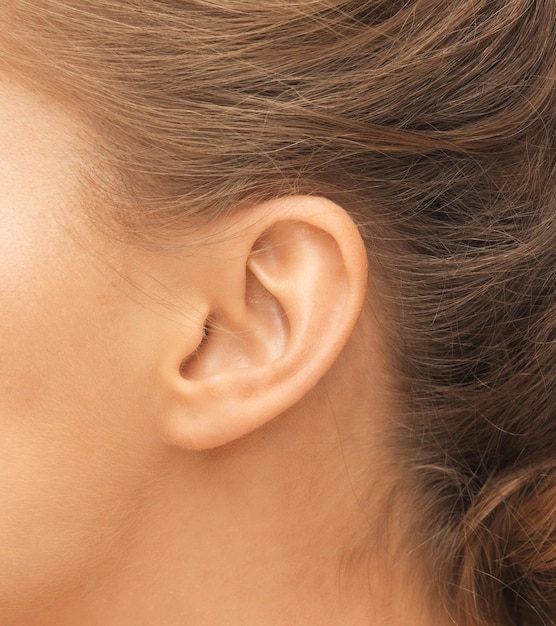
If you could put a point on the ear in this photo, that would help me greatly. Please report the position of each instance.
(285, 293)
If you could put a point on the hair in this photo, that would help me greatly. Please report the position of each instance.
(434, 123)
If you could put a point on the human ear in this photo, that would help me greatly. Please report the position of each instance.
(284, 298)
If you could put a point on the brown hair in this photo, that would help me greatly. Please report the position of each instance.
(434, 123)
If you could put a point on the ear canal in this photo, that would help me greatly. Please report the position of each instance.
(186, 363)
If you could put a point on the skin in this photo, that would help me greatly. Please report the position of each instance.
(66, 456)
(237, 489)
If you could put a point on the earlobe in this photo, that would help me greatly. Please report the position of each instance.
(294, 289)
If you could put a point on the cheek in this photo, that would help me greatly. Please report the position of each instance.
(72, 450)
(74, 445)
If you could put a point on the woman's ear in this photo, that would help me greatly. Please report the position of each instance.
(283, 301)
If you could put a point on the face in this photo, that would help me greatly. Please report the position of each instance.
(75, 442)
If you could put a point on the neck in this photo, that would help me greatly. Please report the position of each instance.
(252, 550)
(278, 528)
